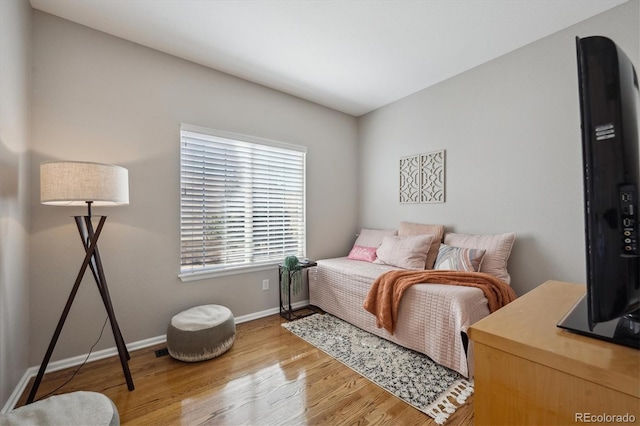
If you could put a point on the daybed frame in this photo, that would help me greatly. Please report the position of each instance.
(432, 318)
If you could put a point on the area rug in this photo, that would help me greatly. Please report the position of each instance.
(411, 376)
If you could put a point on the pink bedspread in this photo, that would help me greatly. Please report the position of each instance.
(431, 317)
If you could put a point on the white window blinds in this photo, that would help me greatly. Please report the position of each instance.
(242, 201)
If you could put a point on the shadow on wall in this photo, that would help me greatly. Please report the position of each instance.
(8, 177)
(534, 266)
(8, 215)
(9, 222)
(153, 187)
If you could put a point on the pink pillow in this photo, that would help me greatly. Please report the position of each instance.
(408, 228)
(368, 254)
(367, 242)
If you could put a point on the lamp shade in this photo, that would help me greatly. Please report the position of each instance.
(73, 183)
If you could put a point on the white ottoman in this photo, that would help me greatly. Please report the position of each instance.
(201, 333)
(69, 409)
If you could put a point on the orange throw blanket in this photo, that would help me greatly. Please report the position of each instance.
(384, 295)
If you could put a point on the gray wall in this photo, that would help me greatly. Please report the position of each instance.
(100, 98)
(15, 82)
(511, 131)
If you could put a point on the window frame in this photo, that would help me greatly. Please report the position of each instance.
(220, 271)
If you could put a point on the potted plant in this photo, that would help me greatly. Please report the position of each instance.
(291, 275)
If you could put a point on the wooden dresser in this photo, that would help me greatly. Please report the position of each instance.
(530, 372)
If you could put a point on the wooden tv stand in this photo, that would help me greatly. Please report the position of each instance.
(530, 372)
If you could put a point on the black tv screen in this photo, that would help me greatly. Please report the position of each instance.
(609, 98)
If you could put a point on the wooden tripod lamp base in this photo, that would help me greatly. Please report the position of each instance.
(80, 183)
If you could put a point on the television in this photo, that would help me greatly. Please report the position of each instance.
(609, 112)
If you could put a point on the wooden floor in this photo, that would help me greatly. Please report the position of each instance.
(268, 377)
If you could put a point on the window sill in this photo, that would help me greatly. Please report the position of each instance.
(204, 275)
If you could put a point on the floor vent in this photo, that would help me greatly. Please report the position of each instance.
(162, 352)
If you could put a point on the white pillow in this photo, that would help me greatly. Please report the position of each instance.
(408, 252)
(373, 237)
(498, 250)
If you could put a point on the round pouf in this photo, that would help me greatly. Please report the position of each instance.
(76, 408)
(201, 333)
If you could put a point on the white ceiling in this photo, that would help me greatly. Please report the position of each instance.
(350, 55)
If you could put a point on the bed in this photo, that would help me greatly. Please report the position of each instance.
(432, 318)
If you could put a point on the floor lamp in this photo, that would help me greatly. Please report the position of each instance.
(72, 183)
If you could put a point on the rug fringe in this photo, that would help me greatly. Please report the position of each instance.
(442, 408)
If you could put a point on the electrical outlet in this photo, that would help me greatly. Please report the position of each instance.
(265, 284)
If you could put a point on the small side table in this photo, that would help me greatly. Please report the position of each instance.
(286, 311)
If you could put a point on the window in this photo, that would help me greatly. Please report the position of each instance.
(242, 202)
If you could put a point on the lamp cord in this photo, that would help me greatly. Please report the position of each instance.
(81, 365)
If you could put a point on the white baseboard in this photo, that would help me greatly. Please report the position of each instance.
(106, 353)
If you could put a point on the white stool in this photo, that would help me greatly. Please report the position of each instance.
(201, 333)
(69, 409)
